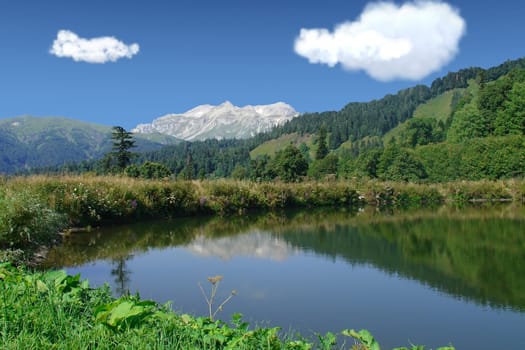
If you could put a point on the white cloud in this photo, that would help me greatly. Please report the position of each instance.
(389, 41)
(95, 50)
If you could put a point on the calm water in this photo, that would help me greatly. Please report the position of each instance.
(433, 277)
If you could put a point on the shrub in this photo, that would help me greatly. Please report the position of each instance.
(25, 221)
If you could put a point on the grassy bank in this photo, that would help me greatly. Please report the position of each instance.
(55, 311)
(34, 209)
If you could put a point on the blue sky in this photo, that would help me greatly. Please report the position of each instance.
(192, 52)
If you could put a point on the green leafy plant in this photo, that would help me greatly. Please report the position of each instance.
(125, 313)
(365, 339)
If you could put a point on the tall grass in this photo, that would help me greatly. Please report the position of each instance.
(33, 209)
(25, 220)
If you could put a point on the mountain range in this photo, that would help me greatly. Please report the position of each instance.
(224, 121)
(27, 142)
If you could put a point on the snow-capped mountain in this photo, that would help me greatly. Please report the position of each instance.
(224, 121)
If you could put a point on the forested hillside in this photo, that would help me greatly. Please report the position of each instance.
(467, 125)
(361, 136)
(482, 138)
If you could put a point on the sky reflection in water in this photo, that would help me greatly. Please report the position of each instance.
(431, 277)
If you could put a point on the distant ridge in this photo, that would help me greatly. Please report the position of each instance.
(224, 121)
(28, 142)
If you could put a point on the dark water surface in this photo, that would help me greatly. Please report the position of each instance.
(434, 277)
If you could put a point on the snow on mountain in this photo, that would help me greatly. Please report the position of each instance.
(224, 121)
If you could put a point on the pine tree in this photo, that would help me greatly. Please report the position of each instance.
(322, 148)
(188, 169)
(122, 143)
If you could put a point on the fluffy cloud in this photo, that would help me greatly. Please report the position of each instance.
(388, 41)
(96, 50)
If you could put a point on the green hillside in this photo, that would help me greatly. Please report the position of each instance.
(438, 108)
(28, 142)
(482, 138)
(273, 146)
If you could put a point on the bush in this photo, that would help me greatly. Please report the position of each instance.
(24, 221)
(148, 170)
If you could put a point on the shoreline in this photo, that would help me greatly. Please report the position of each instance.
(75, 203)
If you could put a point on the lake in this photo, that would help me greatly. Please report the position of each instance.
(434, 276)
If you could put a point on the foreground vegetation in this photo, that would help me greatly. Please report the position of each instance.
(54, 310)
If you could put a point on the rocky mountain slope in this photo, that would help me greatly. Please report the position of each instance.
(224, 121)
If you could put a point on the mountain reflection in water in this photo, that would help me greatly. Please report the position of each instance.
(294, 267)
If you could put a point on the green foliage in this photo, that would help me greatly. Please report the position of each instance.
(239, 173)
(132, 171)
(269, 147)
(189, 170)
(468, 123)
(510, 118)
(305, 150)
(365, 165)
(422, 132)
(148, 170)
(25, 221)
(438, 108)
(321, 168)
(496, 109)
(475, 159)
(336, 194)
(366, 339)
(214, 158)
(397, 164)
(125, 313)
(322, 147)
(94, 200)
(122, 143)
(260, 169)
(289, 164)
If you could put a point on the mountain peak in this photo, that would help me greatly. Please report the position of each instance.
(223, 121)
(226, 104)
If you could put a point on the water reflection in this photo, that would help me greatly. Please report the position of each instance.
(121, 273)
(256, 243)
(397, 273)
(473, 253)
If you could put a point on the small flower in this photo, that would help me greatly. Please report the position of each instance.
(134, 203)
(215, 279)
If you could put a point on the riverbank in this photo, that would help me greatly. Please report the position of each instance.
(54, 310)
(34, 209)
